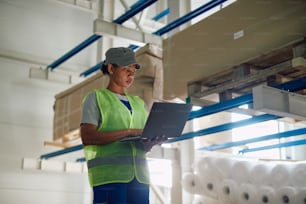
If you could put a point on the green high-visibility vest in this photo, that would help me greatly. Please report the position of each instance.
(117, 161)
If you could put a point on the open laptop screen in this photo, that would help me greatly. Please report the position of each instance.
(165, 119)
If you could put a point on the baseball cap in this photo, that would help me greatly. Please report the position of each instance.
(121, 56)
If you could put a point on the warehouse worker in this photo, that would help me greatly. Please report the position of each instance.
(117, 170)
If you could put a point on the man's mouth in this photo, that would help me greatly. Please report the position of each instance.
(129, 81)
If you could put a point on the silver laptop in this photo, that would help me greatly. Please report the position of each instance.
(165, 119)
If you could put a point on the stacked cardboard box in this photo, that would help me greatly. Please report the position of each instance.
(68, 104)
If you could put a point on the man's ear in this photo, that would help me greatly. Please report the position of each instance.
(110, 69)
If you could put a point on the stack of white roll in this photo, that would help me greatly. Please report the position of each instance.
(247, 193)
(235, 181)
(204, 200)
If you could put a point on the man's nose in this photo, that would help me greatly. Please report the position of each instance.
(131, 71)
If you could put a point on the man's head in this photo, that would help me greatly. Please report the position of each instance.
(119, 56)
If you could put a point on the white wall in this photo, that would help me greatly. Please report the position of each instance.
(36, 31)
(45, 30)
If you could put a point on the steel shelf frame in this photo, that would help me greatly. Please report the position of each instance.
(224, 127)
(61, 152)
(294, 85)
(222, 106)
(291, 86)
(279, 145)
(161, 14)
(174, 24)
(74, 51)
(165, 29)
(135, 9)
(254, 140)
(91, 70)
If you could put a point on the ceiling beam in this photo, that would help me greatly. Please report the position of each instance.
(188, 16)
(74, 51)
(135, 9)
(113, 30)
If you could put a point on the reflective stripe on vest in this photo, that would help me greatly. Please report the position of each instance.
(115, 160)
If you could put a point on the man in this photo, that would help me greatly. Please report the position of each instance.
(117, 170)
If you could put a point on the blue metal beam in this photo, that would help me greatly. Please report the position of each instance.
(257, 139)
(133, 47)
(290, 86)
(224, 127)
(136, 8)
(137, 3)
(207, 131)
(279, 145)
(142, 4)
(133, 11)
(60, 152)
(161, 14)
(188, 16)
(91, 70)
(222, 106)
(294, 85)
(74, 51)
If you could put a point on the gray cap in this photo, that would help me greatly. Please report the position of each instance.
(121, 56)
